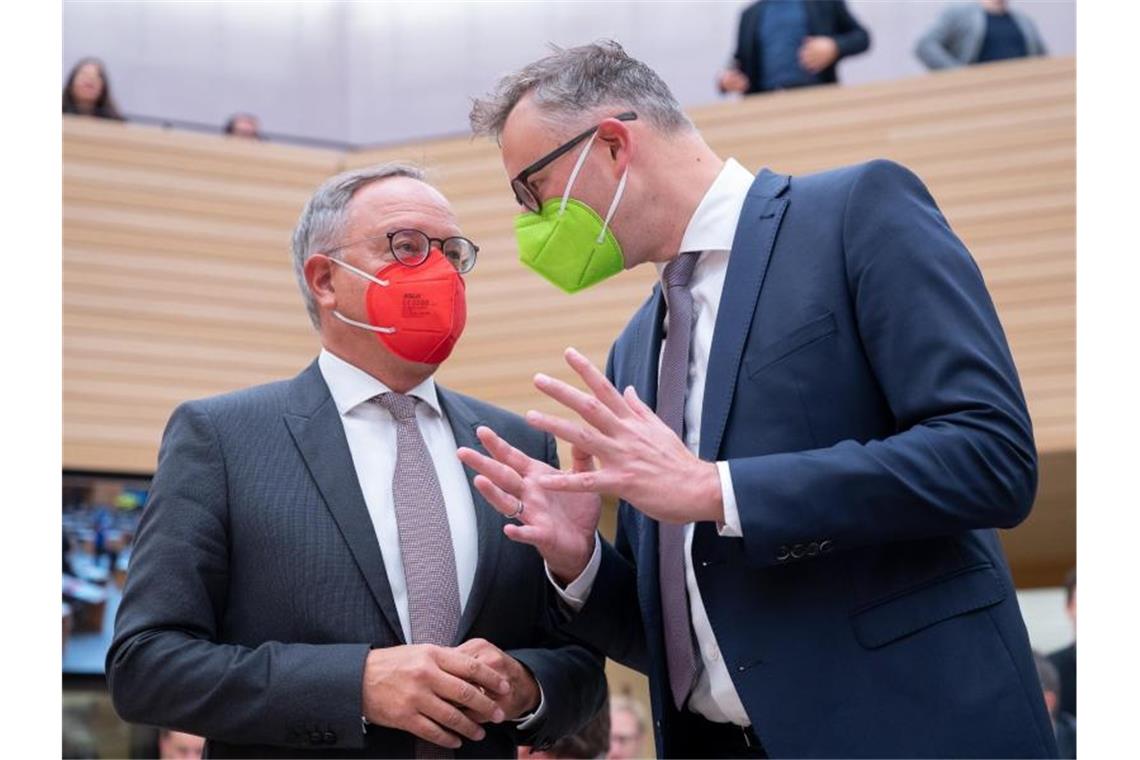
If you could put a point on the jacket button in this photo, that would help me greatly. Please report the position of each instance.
(825, 546)
(316, 737)
(797, 551)
(330, 737)
(813, 548)
(782, 554)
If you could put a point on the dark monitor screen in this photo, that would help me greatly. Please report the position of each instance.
(100, 518)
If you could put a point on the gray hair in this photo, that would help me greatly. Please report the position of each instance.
(323, 219)
(581, 79)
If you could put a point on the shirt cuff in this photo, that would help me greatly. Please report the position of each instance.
(526, 721)
(730, 528)
(578, 591)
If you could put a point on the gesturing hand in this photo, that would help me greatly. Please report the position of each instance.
(817, 53)
(561, 526)
(642, 459)
(438, 694)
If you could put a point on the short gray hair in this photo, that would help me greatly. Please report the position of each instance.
(323, 219)
(573, 80)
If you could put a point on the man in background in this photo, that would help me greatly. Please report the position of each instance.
(628, 728)
(244, 125)
(968, 33)
(313, 571)
(1064, 724)
(1065, 660)
(783, 44)
(175, 745)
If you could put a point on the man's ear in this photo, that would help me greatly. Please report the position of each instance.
(618, 139)
(318, 276)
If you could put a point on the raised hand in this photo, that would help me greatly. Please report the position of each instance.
(642, 460)
(561, 526)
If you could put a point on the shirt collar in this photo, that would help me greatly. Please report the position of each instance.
(713, 225)
(351, 386)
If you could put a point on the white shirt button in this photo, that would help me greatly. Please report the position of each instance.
(713, 653)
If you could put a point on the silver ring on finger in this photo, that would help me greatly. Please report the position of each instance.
(519, 510)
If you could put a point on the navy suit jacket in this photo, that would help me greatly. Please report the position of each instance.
(257, 586)
(862, 391)
(826, 18)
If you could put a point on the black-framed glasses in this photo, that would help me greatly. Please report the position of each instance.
(523, 193)
(411, 247)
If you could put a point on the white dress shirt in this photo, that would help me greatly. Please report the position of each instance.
(371, 433)
(711, 230)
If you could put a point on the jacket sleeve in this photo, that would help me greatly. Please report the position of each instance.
(933, 48)
(572, 676)
(963, 456)
(851, 37)
(165, 666)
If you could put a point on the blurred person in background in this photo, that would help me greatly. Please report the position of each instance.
(628, 727)
(979, 32)
(313, 572)
(244, 125)
(783, 44)
(589, 742)
(175, 745)
(810, 466)
(1064, 724)
(1065, 660)
(88, 92)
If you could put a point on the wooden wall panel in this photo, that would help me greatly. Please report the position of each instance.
(178, 284)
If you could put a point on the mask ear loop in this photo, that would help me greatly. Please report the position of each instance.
(353, 322)
(362, 273)
(574, 174)
(613, 205)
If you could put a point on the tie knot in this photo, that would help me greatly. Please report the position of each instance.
(679, 271)
(400, 406)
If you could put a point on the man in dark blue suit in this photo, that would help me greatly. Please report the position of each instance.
(805, 562)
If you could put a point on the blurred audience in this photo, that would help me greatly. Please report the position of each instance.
(988, 30)
(88, 92)
(244, 125)
(791, 43)
(1064, 724)
(175, 745)
(1065, 660)
(591, 741)
(629, 725)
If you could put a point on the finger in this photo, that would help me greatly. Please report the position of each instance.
(581, 461)
(508, 454)
(428, 730)
(503, 502)
(598, 481)
(526, 534)
(596, 381)
(638, 406)
(472, 670)
(472, 699)
(588, 407)
(586, 439)
(498, 473)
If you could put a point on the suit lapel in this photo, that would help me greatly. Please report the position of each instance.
(488, 522)
(747, 264)
(316, 427)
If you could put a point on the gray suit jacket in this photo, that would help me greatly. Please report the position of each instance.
(956, 38)
(257, 587)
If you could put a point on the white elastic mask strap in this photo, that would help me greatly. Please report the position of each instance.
(354, 323)
(577, 168)
(361, 272)
(613, 205)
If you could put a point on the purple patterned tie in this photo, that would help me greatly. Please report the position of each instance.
(671, 387)
(425, 540)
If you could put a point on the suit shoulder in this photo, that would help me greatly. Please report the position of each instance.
(878, 174)
(267, 398)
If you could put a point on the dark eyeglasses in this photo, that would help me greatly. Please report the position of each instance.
(523, 194)
(411, 248)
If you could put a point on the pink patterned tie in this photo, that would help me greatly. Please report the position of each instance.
(425, 540)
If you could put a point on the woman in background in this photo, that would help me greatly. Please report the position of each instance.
(88, 92)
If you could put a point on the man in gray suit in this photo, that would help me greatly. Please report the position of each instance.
(314, 572)
(968, 33)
